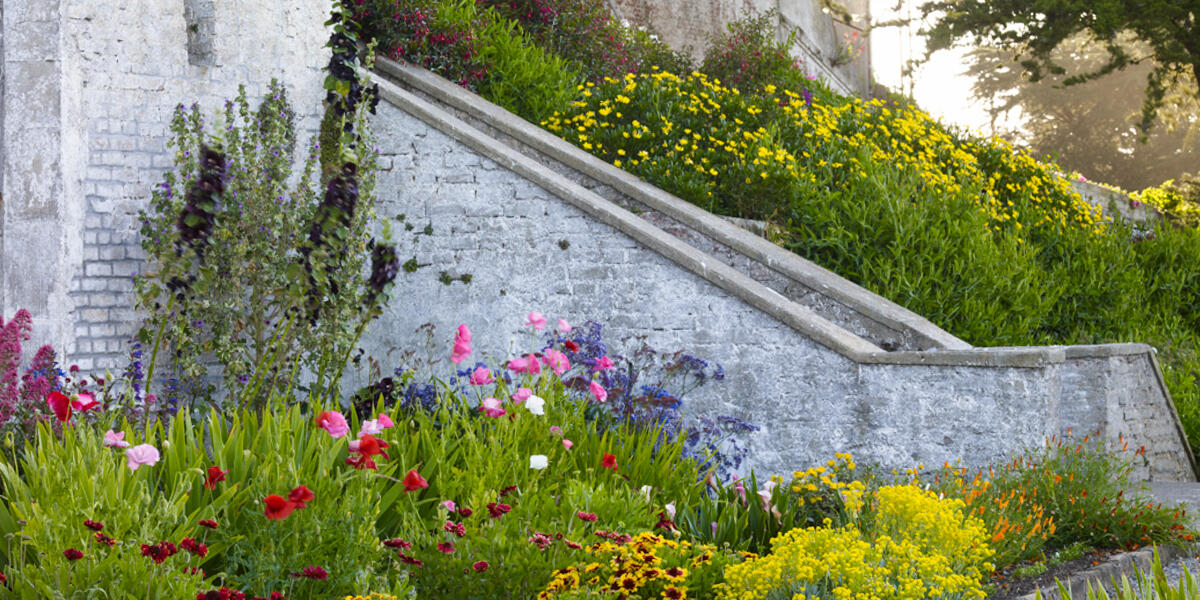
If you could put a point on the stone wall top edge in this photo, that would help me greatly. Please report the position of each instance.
(869, 304)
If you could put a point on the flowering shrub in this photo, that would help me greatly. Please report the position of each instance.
(916, 546)
(646, 565)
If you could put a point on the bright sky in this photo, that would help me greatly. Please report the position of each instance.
(939, 85)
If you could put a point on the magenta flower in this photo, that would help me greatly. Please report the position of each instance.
(113, 439)
(84, 402)
(536, 321)
(333, 422)
(557, 361)
(604, 363)
(450, 505)
(447, 547)
(556, 430)
(481, 376)
(598, 391)
(60, 404)
(462, 345)
(568, 444)
(564, 326)
(526, 364)
(522, 395)
(492, 407)
(142, 454)
(385, 421)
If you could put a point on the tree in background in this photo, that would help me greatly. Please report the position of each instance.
(1167, 30)
(1090, 128)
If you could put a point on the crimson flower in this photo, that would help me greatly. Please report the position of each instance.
(464, 512)
(273, 596)
(94, 526)
(312, 572)
(496, 510)
(191, 545)
(573, 545)
(159, 552)
(508, 490)
(209, 523)
(404, 558)
(397, 543)
(571, 346)
(60, 404)
(586, 516)
(456, 528)
(301, 496)
(413, 481)
(221, 594)
(72, 554)
(278, 507)
(447, 547)
(215, 474)
(664, 522)
(609, 462)
(480, 566)
(104, 539)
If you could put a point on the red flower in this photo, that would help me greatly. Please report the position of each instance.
(72, 554)
(480, 566)
(209, 523)
(191, 545)
(465, 512)
(104, 539)
(369, 445)
(215, 474)
(413, 481)
(609, 462)
(397, 543)
(159, 552)
(508, 490)
(278, 507)
(221, 594)
(571, 346)
(404, 558)
(456, 528)
(301, 496)
(589, 517)
(496, 510)
(94, 526)
(573, 545)
(361, 461)
(60, 404)
(312, 572)
(447, 547)
(664, 522)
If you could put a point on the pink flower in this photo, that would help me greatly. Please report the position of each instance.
(450, 505)
(481, 376)
(536, 321)
(603, 363)
(522, 395)
(142, 454)
(586, 516)
(564, 326)
(598, 391)
(385, 421)
(557, 361)
(492, 407)
(84, 402)
(556, 430)
(526, 364)
(371, 427)
(462, 345)
(447, 547)
(113, 439)
(333, 422)
(60, 404)
(567, 444)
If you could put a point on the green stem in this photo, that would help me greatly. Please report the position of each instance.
(333, 383)
(150, 369)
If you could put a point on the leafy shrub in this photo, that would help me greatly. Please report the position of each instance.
(914, 546)
(439, 35)
(521, 76)
(1180, 200)
(261, 277)
(749, 57)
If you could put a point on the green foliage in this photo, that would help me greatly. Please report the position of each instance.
(1152, 585)
(521, 76)
(1167, 27)
(235, 292)
(1180, 200)
(749, 57)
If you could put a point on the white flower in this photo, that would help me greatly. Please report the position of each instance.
(536, 405)
(538, 461)
(371, 427)
(646, 492)
(670, 508)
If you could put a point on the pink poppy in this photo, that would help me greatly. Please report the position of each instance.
(526, 364)
(481, 376)
(492, 407)
(536, 321)
(333, 422)
(60, 404)
(568, 444)
(84, 402)
(462, 345)
(598, 391)
(143, 454)
(604, 363)
(113, 439)
(564, 326)
(370, 427)
(385, 422)
(521, 395)
(557, 361)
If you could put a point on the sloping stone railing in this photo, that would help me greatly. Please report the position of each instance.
(820, 364)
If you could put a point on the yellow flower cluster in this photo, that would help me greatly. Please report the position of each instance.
(920, 547)
(722, 150)
(372, 597)
(648, 566)
(818, 483)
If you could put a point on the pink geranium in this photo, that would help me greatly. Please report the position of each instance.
(142, 454)
(462, 345)
(557, 361)
(492, 407)
(333, 422)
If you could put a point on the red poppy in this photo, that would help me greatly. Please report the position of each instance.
(278, 507)
(413, 481)
(369, 445)
(60, 404)
(301, 496)
(571, 346)
(215, 474)
(609, 462)
(361, 461)
(209, 523)
(480, 566)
